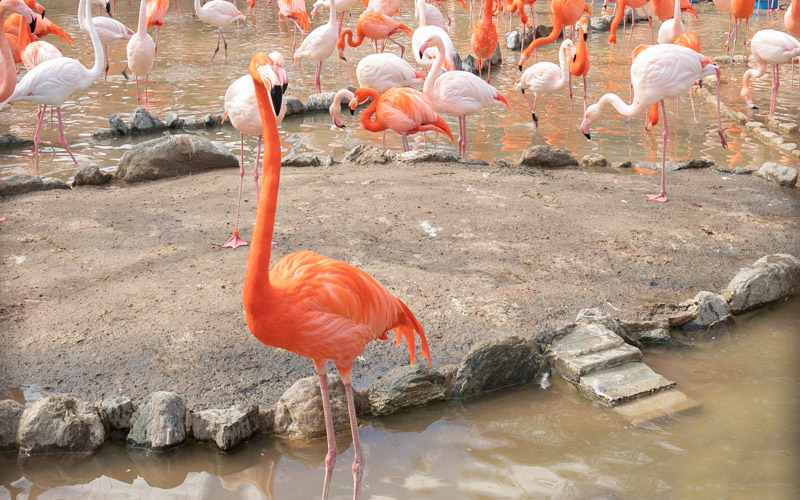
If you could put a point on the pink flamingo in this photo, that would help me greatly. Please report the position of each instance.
(424, 31)
(620, 12)
(309, 304)
(457, 93)
(771, 47)
(218, 13)
(8, 71)
(241, 107)
(335, 109)
(296, 11)
(141, 52)
(108, 30)
(659, 72)
(53, 81)
(386, 70)
(545, 77)
(319, 45)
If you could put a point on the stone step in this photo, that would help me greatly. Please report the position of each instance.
(623, 383)
(584, 340)
(573, 368)
(657, 406)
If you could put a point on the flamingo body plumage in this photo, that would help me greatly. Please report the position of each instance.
(386, 70)
(769, 47)
(8, 73)
(545, 77)
(218, 13)
(141, 52)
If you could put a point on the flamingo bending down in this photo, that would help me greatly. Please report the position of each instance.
(771, 47)
(141, 51)
(483, 39)
(386, 70)
(404, 110)
(671, 28)
(309, 304)
(565, 13)
(53, 81)
(373, 25)
(422, 33)
(108, 30)
(580, 64)
(218, 13)
(335, 109)
(458, 93)
(659, 72)
(620, 12)
(319, 45)
(242, 110)
(545, 77)
(8, 73)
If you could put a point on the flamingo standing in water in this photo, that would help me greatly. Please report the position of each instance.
(296, 11)
(141, 52)
(373, 25)
(156, 15)
(741, 9)
(319, 45)
(565, 13)
(8, 73)
(52, 82)
(309, 304)
(671, 28)
(404, 110)
(218, 13)
(108, 30)
(242, 109)
(458, 93)
(422, 33)
(657, 73)
(545, 77)
(771, 47)
(620, 12)
(580, 64)
(484, 39)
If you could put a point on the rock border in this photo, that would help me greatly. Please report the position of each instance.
(164, 421)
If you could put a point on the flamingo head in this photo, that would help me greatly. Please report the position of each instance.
(280, 69)
(336, 107)
(262, 70)
(592, 113)
(20, 8)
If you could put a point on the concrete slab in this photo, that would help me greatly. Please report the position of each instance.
(623, 383)
(658, 406)
(584, 340)
(574, 368)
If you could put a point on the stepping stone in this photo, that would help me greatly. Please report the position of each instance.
(588, 349)
(623, 383)
(573, 369)
(657, 406)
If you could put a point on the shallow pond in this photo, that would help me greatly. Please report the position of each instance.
(184, 80)
(523, 443)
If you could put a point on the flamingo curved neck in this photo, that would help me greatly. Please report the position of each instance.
(622, 108)
(372, 125)
(562, 62)
(433, 74)
(420, 6)
(142, 26)
(332, 19)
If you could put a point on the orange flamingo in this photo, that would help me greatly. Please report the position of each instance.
(296, 11)
(791, 20)
(740, 9)
(580, 64)
(375, 25)
(620, 12)
(664, 9)
(484, 39)
(404, 110)
(33, 52)
(309, 304)
(565, 13)
(18, 34)
(8, 73)
(156, 13)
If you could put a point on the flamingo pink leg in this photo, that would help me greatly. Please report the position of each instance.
(235, 241)
(317, 83)
(61, 134)
(330, 457)
(662, 196)
(358, 460)
(36, 141)
(462, 136)
(775, 84)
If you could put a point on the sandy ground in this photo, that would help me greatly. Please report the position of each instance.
(126, 290)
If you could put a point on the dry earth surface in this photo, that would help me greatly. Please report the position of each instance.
(127, 290)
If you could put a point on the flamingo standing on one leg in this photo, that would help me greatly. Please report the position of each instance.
(309, 304)
(458, 93)
(659, 72)
(53, 81)
(484, 39)
(565, 13)
(109, 31)
(156, 15)
(404, 110)
(8, 73)
(319, 45)
(141, 52)
(771, 47)
(386, 70)
(545, 77)
(242, 109)
(373, 25)
(580, 64)
(218, 13)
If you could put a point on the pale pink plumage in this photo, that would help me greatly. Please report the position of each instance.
(218, 13)
(769, 47)
(545, 77)
(386, 70)
(319, 45)
(141, 51)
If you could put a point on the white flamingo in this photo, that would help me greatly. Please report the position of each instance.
(771, 47)
(141, 51)
(545, 77)
(319, 45)
(108, 30)
(218, 13)
(425, 31)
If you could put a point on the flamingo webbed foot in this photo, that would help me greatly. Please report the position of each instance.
(235, 241)
(661, 197)
(723, 141)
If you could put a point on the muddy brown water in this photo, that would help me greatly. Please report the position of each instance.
(184, 80)
(525, 442)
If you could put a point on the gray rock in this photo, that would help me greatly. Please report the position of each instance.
(329, 161)
(601, 23)
(320, 102)
(301, 160)
(427, 156)
(587, 349)
(405, 387)
(501, 163)
(212, 120)
(457, 64)
(10, 415)
(686, 164)
(472, 161)
(528, 37)
(172, 120)
(639, 17)
(90, 175)
(770, 278)
(449, 373)
(647, 332)
(117, 125)
(298, 412)
(160, 424)
(712, 310)
(495, 364)
(23, 183)
(266, 419)
(192, 124)
(103, 133)
(225, 428)
(120, 411)
(780, 174)
(294, 106)
(367, 155)
(497, 57)
(513, 40)
(468, 64)
(8, 141)
(546, 157)
(60, 424)
(172, 156)
(543, 31)
(594, 160)
(145, 123)
(594, 315)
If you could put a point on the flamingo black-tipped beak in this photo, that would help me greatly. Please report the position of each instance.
(535, 120)
(753, 107)
(284, 87)
(108, 9)
(574, 57)
(700, 83)
(32, 25)
(523, 91)
(352, 111)
(277, 97)
(342, 58)
(588, 135)
(585, 36)
(42, 13)
(520, 68)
